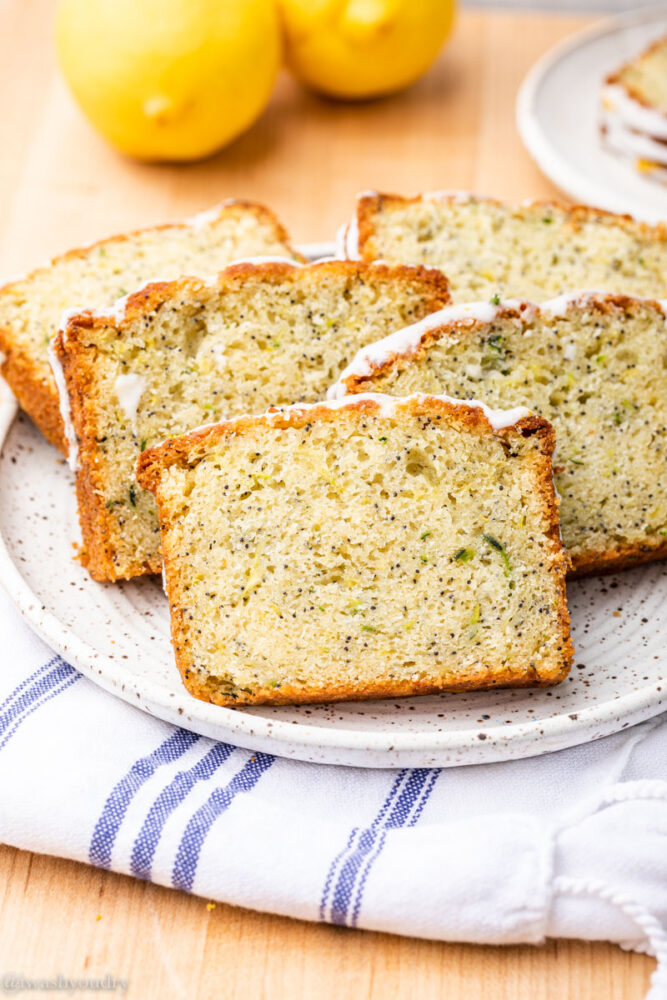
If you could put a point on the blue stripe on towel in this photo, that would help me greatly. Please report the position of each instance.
(43, 685)
(167, 801)
(350, 869)
(116, 805)
(354, 834)
(412, 819)
(332, 870)
(24, 684)
(189, 849)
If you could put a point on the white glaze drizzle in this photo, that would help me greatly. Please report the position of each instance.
(129, 389)
(116, 312)
(347, 237)
(632, 143)
(408, 339)
(206, 218)
(388, 406)
(559, 306)
(341, 241)
(636, 116)
(67, 316)
(352, 239)
(65, 409)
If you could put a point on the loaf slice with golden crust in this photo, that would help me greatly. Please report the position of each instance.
(489, 249)
(31, 308)
(634, 111)
(371, 548)
(179, 354)
(594, 365)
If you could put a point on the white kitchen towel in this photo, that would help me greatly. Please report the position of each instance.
(571, 844)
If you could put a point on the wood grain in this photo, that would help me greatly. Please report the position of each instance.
(61, 917)
(60, 186)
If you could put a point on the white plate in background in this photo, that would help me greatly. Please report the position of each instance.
(557, 115)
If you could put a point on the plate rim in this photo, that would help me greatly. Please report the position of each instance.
(526, 738)
(532, 134)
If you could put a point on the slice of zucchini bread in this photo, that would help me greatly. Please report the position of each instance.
(532, 251)
(594, 365)
(179, 354)
(31, 308)
(638, 91)
(371, 548)
(634, 110)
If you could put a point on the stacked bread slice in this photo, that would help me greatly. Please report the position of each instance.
(634, 111)
(595, 366)
(491, 250)
(31, 308)
(178, 354)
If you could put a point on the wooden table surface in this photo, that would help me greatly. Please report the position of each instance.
(60, 186)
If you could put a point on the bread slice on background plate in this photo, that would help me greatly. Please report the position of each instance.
(489, 249)
(179, 354)
(644, 81)
(369, 548)
(31, 307)
(634, 110)
(595, 366)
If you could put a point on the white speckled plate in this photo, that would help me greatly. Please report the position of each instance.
(118, 636)
(557, 115)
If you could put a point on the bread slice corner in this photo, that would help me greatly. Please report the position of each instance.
(31, 307)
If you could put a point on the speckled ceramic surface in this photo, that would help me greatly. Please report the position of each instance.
(118, 636)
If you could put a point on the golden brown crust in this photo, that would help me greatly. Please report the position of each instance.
(190, 448)
(369, 205)
(154, 295)
(38, 395)
(78, 361)
(261, 212)
(585, 563)
(94, 518)
(484, 679)
(603, 561)
(34, 394)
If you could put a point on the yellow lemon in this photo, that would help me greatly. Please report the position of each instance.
(169, 79)
(363, 48)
